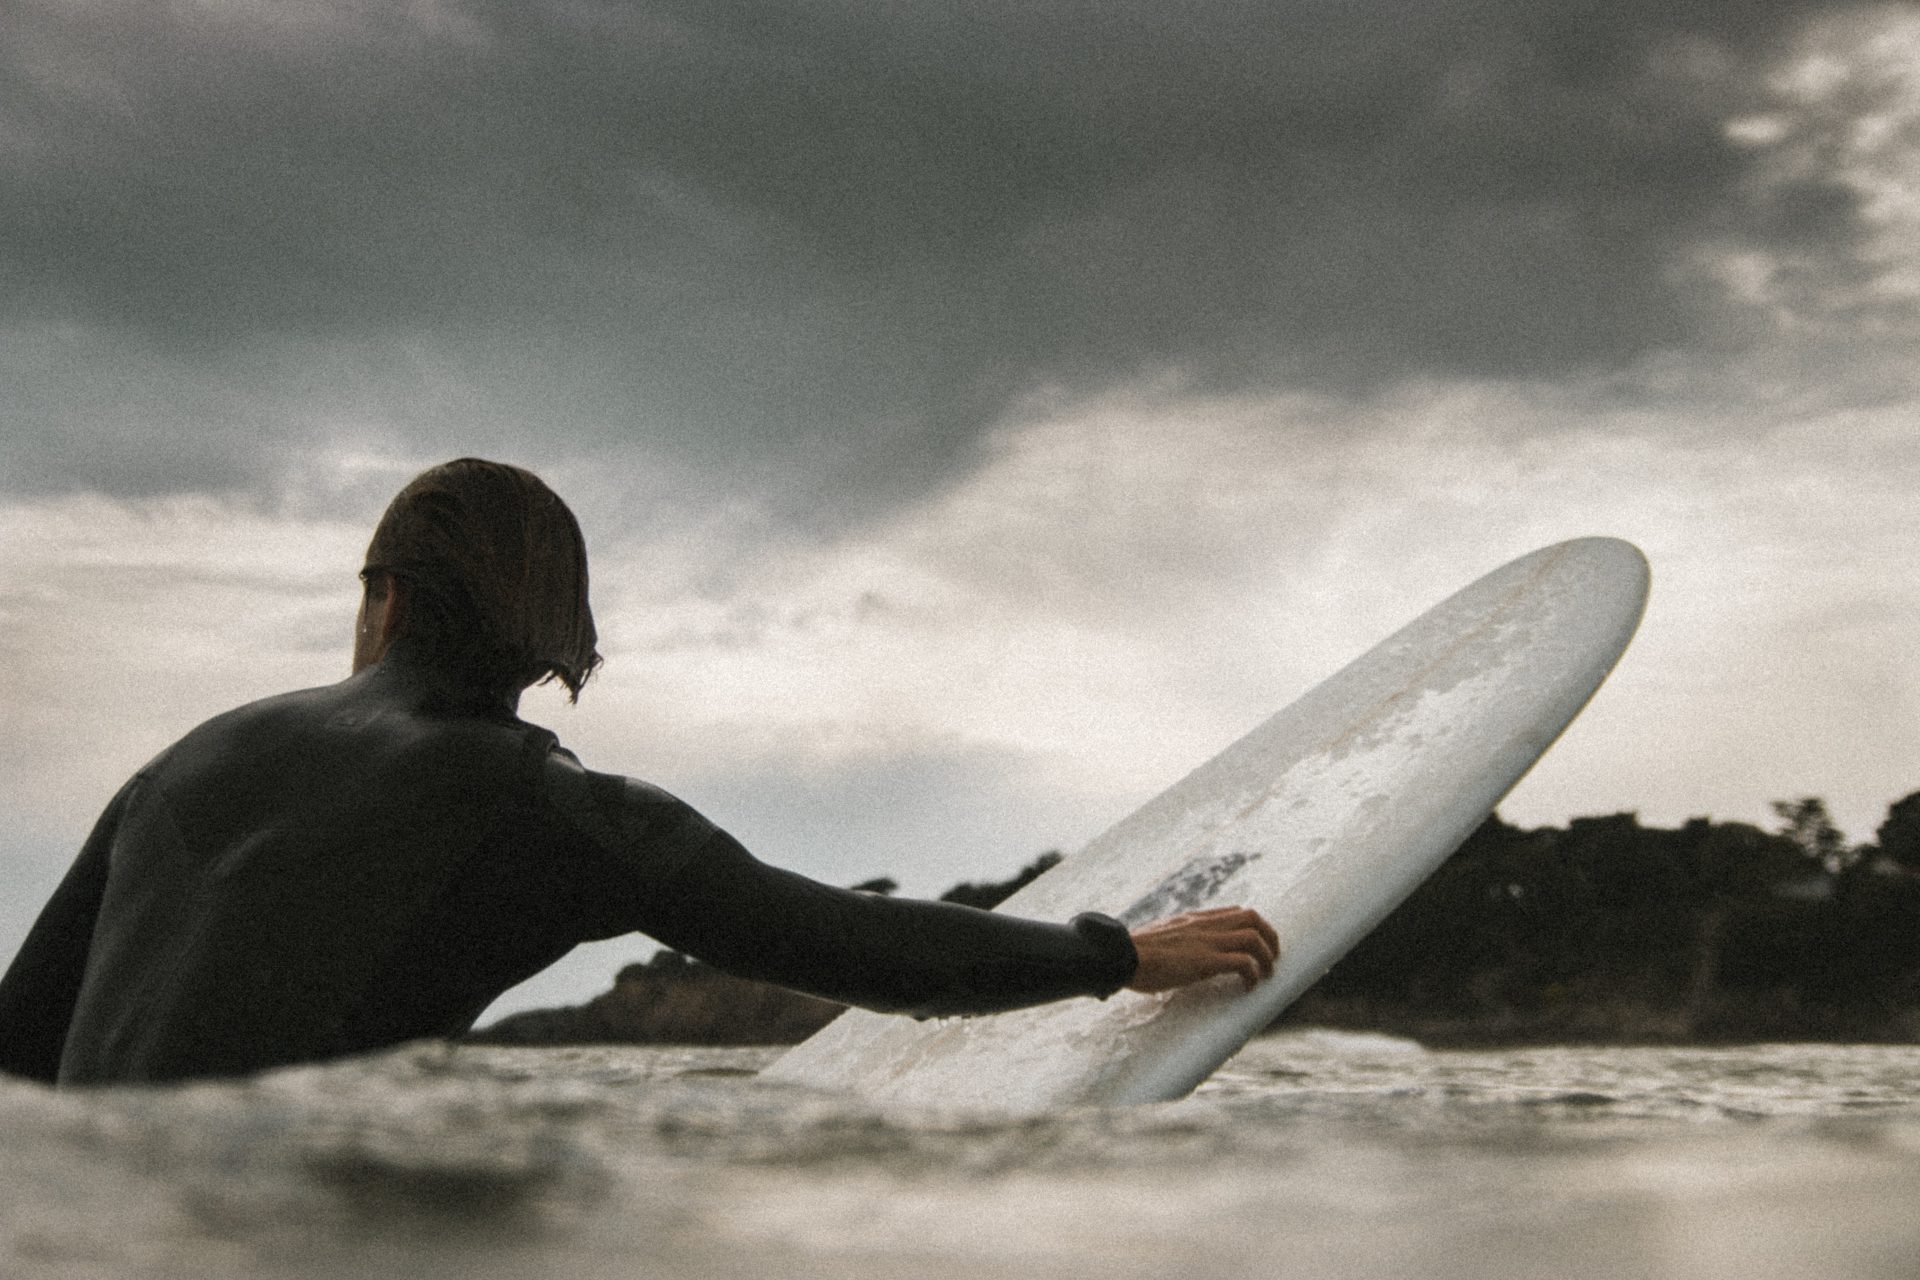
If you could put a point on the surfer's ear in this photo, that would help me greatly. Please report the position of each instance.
(393, 617)
(383, 616)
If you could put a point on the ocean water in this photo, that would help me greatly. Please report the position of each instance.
(1311, 1154)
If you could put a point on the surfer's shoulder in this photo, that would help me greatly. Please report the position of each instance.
(620, 813)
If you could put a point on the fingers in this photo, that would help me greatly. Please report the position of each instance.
(1197, 945)
(1237, 916)
(1250, 954)
(1238, 930)
(1265, 951)
(1270, 935)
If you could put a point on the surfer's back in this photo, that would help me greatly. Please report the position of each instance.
(259, 874)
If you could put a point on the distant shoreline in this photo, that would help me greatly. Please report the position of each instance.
(1600, 932)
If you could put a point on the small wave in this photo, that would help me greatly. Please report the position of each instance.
(1571, 1098)
(1331, 1040)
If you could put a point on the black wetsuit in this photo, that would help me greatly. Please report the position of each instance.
(345, 868)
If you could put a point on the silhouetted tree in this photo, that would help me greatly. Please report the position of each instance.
(1739, 861)
(1805, 822)
(992, 893)
(1899, 835)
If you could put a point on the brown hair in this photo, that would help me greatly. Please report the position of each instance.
(498, 574)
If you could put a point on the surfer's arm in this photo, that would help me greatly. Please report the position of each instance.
(42, 985)
(657, 867)
(895, 955)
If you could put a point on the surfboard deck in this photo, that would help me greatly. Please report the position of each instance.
(1324, 818)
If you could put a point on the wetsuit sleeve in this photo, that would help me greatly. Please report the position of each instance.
(42, 985)
(693, 887)
(895, 955)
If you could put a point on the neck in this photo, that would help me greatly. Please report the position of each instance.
(446, 683)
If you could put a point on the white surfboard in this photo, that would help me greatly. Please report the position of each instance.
(1324, 818)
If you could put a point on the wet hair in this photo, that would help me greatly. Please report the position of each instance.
(497, 572)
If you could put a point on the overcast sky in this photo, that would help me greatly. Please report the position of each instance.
(979, 413)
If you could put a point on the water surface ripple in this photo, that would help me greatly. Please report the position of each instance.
(1310, 1154)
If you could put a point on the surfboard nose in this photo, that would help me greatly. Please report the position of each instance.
(1607, 571)
(1618, 553)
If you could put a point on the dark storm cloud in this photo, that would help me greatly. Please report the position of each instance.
(832, 240)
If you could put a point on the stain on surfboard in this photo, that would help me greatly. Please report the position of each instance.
(1197, 883)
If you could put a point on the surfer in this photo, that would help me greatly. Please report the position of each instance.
(341, 869)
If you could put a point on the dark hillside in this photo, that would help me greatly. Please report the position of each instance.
(1602, 930)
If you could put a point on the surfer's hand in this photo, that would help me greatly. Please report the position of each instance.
(1204, 944)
